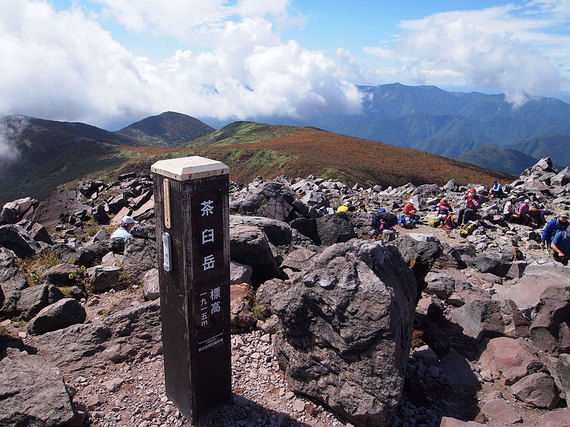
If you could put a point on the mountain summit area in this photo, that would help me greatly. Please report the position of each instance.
(337, 319)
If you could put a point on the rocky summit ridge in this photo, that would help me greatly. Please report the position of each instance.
(333, 325)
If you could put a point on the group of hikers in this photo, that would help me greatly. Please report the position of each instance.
(555, 235)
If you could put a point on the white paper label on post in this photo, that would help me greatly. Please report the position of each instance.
(166, 249)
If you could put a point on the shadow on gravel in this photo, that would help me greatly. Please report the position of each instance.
(451, 389)
(244, 412)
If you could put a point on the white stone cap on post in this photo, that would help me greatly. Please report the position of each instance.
(185, 168)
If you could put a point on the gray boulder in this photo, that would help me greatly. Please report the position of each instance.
(140, 256)
(537, 390)
(103, 277)
(82, 346)
(59, 275)
(92, 254)
(420, 256)
(266, 292)
(249, 245)
(151, 286)
(277, 232)
(28, 302)
(18, 240)
(346, 329)
(242, 297)
(563, 372)
(240, 273)
(552, 318)
(485, 318)
(333, 229)
(497, 264)
(33, 392)
(64, 313)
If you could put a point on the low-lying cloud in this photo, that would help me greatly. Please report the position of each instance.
(10, 130)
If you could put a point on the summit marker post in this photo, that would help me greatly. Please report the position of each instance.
(192, 227)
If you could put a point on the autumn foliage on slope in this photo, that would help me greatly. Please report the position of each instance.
(299, 152)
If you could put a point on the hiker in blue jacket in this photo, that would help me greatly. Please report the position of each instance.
(554, 226)
(561, 247)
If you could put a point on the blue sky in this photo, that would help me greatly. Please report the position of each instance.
(105, 62)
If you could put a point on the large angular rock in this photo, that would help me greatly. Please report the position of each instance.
(420, 256)
(151, 285)
(502, 411)
(552, 318)
(240, 273)
(334, 228)
(347, 324)
(485, 318)
(249, 245)
(140, 256)
(266, 292)
(28, 302)
(526, 292)
(103, 277)
(92, 254)
(537, 390)
(59, 204)
(64, 313)
(563, 372)
(82, 346)
(18, 240)
(32, 392)
(508, 358)
(277, 232)
(497, 264)
(60, 275)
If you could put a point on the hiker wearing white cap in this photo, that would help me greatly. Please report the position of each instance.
(124, 230)
(509, 208)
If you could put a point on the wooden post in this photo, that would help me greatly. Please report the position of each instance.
(192, 227)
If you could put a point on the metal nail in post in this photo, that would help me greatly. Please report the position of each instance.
(192, 227)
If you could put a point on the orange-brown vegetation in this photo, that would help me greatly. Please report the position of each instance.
(305, 151)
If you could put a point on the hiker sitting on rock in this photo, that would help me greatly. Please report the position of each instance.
(536, 215)
(409, 217)
(561, 247)
(509, 208)
(497, 190)
(444, 215)
(553, 227)
(470, 210)
(124, 230)
(524, 213)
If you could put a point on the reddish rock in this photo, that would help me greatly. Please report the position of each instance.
(501, 410)
(508, 358)
(241, 305)
(537, 390)
(454, 422)
(559, 418)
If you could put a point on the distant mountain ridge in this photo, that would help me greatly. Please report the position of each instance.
(446, 123)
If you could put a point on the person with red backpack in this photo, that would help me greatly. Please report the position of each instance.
(470, 209)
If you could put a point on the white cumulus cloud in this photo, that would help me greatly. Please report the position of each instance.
(508, 48)
(66, 66)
